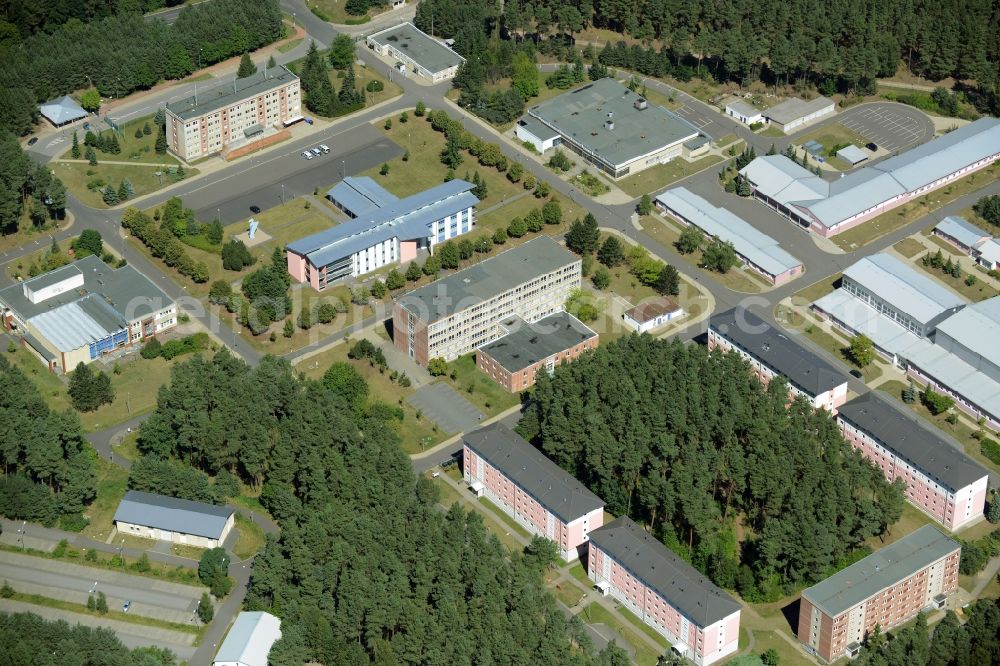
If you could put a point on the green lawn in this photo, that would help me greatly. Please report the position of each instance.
(837, 348)
(979, 291)
(817, 290)
(334, 12)
(644, 654)
(112, 614)
(141, 150)
(945, 246)
(135, 389)
(832, 135)
(21, 268)
(568, 593)
(488, 396)
(290, 45)
(577, 571)
(787, 653)
(510, 522)
(112, 482)
(501, 217)
(648, 630)
(657, 177)
(911, 519)
(76, 176)
(251, 538)
(909, 247)
(27, 233)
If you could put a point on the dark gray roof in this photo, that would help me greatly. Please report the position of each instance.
(580, 115)
(175, 515)
(537, 128)
(221, 96)
(526, 344)
(911, 439)
(485, 280)
(801, 367)
(125, 289)
(849, 587)
(542, 479)
(646, 558)
(424, 50)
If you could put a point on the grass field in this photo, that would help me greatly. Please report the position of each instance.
(510, 522)
(334, 12)
(908, 247)
(595, 613)
(657, 177)
(485, 394)
(945, 246)
(251, 538)
(112, 614)
(817, 289)
(837, 348)
(27, 233)
(135, 391)
(21, 267)
(290, 45)
(76, 175)
(832, 135)
(139, 150)
(568, 593)
(112, 482)
(979, 291)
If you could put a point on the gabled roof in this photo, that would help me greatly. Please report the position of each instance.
(361, 195)
(781, 179)
(801, 367)
(961, 230)
(173, 514)
(912, 440)
(795, 108)
(250, 639)
(650, 310)
(989, 250)
(852, 154)
(550, 485)
(904, 286)
(62, 110)
(849, 587)
(79, 323)
(742, 108)
(680, 585)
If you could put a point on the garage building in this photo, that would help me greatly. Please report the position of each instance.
(175, 520)
(792, 114)
(417, 50)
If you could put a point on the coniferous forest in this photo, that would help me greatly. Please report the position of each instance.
(759, 494)
(118, 53)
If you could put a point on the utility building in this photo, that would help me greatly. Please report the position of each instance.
(175, 520)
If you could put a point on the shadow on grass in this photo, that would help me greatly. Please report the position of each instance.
(791, 614)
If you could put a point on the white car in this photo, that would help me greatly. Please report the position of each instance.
(325, 148)
(317, 152)
(306, 154)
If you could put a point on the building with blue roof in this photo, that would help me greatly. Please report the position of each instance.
(758, 251)
(832, 207)
(385, 230)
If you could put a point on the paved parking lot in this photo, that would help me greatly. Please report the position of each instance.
(449, 410)
(894, 127)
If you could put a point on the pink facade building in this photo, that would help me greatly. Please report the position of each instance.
(940, 479)
(701, 621)
(772, 354)
(887, 588)
(537, 493)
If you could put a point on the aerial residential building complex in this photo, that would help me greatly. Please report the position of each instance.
(175, 520)
(794, 113)
(83, 311)
(940, 479)
(529, 487)
(514, 360)
(701, 621)
(612, 128)
(249, 640)
(417, 51)
(886, 588)
(831, 207)
(465, 310)
(652, 314)
(232, 115)
(771, 353)
(923, 328)
(757, 251)
(385, 230)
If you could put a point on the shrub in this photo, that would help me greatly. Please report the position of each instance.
(990, 449)
(936, 402)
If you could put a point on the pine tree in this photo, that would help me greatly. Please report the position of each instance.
(102, 603)
(91, 156)
(479, 190)
(271, 62)
(76, 146)
(110, 196)
(161, 141)
(583, 236)
(205, 610)
(146, 129)
(247, 68)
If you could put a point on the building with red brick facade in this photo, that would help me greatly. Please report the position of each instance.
(514, 360)
(701, 621)
(886, 588)
(462, 312)
(541, 496)
(940, 479)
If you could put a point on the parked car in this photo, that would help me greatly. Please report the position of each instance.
(126, 606)
(317, 152)
(255, 209)
(857, 374)
(33, 140)
(309, 121)
(325, 148)
(306, 154)
(872, 146)
(86, 126)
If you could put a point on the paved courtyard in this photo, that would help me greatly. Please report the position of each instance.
(449, 410)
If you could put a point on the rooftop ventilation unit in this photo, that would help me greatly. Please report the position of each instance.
(640, 104)
(609, 124)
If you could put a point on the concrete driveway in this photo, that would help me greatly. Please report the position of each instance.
(449, 410)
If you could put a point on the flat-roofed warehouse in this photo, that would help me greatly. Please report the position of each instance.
(171, 519)
(615, 129)
(425, 55)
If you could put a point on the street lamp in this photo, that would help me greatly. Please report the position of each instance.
(282, 193)
(22, 531)
(343, 169)
(293, 20)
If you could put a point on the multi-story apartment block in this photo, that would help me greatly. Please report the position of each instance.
(886, 588)
(231, 115)
(464, 311)
(529, 487)
(771, 354)
(701, 621)
(940, 479)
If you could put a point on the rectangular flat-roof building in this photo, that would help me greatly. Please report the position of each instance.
(532, 489)
(515, 359)
(832, 207)
(85, 310)
(175, 520)
(652, 314)
(940, 479)
(420, 52)
(614, 129)
(249, 640)
(701, 621)
(233, 114)
(743, 112)
(886, 588)
(462, 312)
(539, 135)
(772, 353)
(852, 155)
(756, 250)
(385, 231)
(792, 114)
(961, 233)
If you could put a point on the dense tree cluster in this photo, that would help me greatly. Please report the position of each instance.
(691, 444)
(366, 568)
(320, 97)
(24, 183)
(163, 243)
(28, 17)
(28, 640)
(48, 470)
(123, 52)
(88, 389)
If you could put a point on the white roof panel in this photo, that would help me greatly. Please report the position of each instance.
(961, 230)
(250, 639)
(976, 327)
(904, 286)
